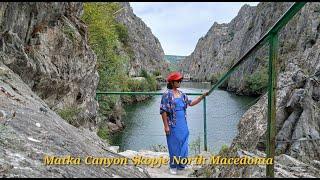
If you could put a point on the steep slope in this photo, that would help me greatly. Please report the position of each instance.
(147, 52)
(298, 102)
(45, 65)
(46, 45)
(28, 133)
(218, 50)
(118, 43)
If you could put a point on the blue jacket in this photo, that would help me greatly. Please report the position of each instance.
(167, 105)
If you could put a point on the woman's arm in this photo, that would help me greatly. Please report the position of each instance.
(198, 99)
(164, 110)
(165, 123)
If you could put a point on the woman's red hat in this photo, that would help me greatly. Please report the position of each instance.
(174, 76)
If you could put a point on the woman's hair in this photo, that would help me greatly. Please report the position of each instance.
(169, 85)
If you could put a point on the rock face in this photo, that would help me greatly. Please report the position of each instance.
(46, 45)
(298, 115)
(29, 131)
(298, 105)
(144, 52)
(297, 120)
(218, 50)
(285, 167)
(147, 52)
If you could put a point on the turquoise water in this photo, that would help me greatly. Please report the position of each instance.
(144, 126)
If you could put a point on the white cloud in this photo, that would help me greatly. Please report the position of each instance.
(179, 25)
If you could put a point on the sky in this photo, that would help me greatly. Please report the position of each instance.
(179, 25)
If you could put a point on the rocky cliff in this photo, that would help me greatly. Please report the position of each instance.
(46, 65)
(46, 45)
(298, 115)
(29, 131)
(125, 48)
(146, 49)
(223, 44)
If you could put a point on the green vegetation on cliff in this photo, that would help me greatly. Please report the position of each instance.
(108, 38)
(174, 61)
(258, 81)
(69, 114)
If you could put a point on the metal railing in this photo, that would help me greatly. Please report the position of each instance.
(159, 93)
(270, 37)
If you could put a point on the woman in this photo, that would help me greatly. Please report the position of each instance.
(173, 111)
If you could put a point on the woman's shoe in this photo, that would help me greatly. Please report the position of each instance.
(185, 168)
(173, 171)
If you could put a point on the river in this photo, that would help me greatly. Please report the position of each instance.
(144, 126)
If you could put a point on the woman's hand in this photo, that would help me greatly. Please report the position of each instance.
(205, 94)
(197, 100)
(167, 130)
(165, 123)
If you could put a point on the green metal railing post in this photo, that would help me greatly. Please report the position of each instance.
(273, 52)
(205, 124)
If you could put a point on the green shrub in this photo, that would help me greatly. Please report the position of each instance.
(122, 33)
(69, 114)
(231, 34)
(148, 84)
(105, 35)
(195, 145)
(258, 81)
(224, 149)
(157, 73)
(69, 31)
(144, 73)
(135, 85)
(103, 133)
(152, 83)
(215, 77)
